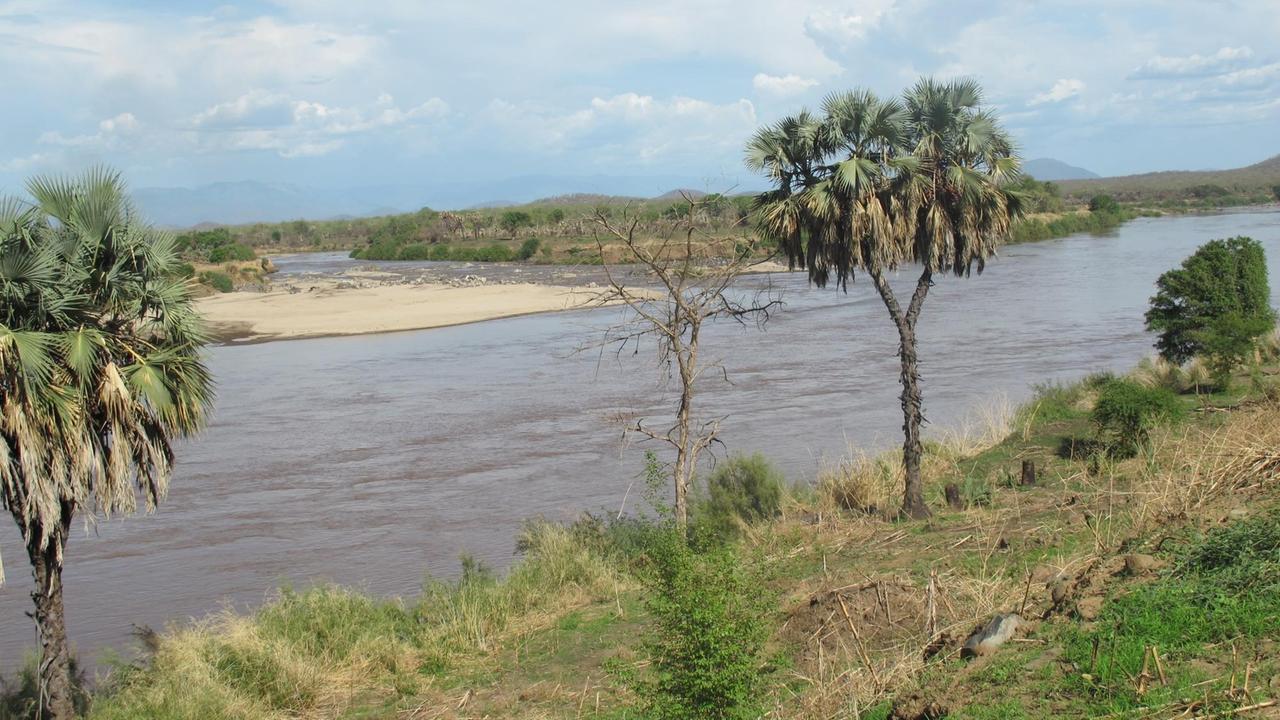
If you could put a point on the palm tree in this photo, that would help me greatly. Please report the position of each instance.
(876, 184)
(100, 368)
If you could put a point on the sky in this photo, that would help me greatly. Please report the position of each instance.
(334, 93)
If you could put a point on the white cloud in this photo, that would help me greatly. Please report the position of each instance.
(260, 120)
(782, 85)
(840, 27)
(1064, 89)
(23, 164)
(111, 132)
(628, 127)
(1194, 65)
(1260, 76)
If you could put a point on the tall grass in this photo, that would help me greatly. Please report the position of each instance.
(323, 651)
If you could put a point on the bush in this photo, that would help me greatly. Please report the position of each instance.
(743, 489)
(1103, 204)
(416, 251)
(219, 281)
(1126, 412)
(708, 633)
(1216, 305)
(20, 695)
(528, 248)
(232, 252)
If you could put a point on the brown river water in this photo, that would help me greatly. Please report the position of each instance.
(373, 461)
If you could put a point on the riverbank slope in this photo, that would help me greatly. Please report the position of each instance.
(870, 612)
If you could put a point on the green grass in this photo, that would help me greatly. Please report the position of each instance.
(1224, 587)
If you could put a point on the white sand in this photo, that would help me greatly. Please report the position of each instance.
(329, 311)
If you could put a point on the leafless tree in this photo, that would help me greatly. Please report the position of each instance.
(689, 283)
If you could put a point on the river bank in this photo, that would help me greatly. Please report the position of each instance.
(427, 445)
(375, 298)
(866, 614)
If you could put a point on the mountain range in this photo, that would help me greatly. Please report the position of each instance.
(234, 203)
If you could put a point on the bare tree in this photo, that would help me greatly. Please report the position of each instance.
(693, 274)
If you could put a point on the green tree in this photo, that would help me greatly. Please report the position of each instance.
(1103, 204)
(513, 220)
(1216, 304)
(99, 370)
(875, 184)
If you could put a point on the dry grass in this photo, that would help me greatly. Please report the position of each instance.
(1194, 465)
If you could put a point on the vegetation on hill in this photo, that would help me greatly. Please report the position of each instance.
(1253, 185)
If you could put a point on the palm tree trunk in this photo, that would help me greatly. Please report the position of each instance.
(913, 504)
(55, 657)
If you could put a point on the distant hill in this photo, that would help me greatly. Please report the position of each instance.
(237, 203)
(1045, 169)
(250, 201)
(681, 193)
(574, 199)
(1254, 183)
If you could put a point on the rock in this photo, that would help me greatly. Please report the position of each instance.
(1059, 590)
(1139, 564)
(1044, 574)
(1089, 608)
(915, 706)
(992, 635)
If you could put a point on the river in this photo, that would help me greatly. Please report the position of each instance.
(372, 461)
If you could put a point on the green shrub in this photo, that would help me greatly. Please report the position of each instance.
(232, 252)
(1126, 412)
(1216, 305)
(708, 634)
(743, 489)
(184, 270)
(20, 695)
(219, 281)
(528, 248)
(1103, 204)
(416, 251)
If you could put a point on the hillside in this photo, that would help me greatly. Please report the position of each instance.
(1048, 169)
(1257, 183)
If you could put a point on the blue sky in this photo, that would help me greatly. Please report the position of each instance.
(339, 93)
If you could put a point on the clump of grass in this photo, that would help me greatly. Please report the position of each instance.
(1268, 347)
(1224, 587)
(1156, 372)
(861, 483)
(980, 430)
(556, 570)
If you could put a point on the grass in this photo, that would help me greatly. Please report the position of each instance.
(331, 651)
(861, 593)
